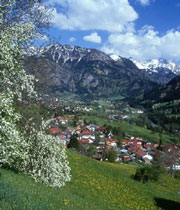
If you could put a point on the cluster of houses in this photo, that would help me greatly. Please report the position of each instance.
(75, 109)
(117, 116)
(123, 116)
(137, 148)
(128, 149)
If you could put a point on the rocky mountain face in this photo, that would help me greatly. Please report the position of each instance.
(160, 70)
(87, 72)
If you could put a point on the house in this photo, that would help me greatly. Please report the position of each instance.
(140, 154)
(99, 149)
(54, 131)
(124, 142)
(147, 158)
(109, 135)
(62, 140)
(85, 134)
(101, 129)
(130, 137)
(126, 158)
(131, 142)
(132, 148)
(155, 146)
(84, 143)
(146, 161)
(124, 116)
(101, 136)
(69, 132)
(138, 111)
(61, 120)
(148, 147)
(87, 109)
(91, 127)
(78, 130)
(140, 139)
(176, 167)
(101, 143)
(124, 150)
(107, 148)
(80, 123)
(97, 157)
(111, 142)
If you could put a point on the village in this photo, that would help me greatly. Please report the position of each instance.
(95, 141)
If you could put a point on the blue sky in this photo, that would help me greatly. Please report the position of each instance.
(142, 29)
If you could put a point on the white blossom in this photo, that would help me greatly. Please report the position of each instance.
(36, 154)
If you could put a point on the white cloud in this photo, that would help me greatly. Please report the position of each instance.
(144, 2)
(72, 39)
(94, 37)
(108, 15)
(145, 44)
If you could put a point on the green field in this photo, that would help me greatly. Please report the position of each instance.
(130, 129)
(94, 186)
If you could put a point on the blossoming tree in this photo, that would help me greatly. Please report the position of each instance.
(32, 151)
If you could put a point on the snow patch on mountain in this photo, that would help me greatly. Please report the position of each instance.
(155, 65)
(115, 57)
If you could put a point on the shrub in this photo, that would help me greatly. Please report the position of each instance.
(147, 173)
(177, 175)
(112, 156)
(74, 143)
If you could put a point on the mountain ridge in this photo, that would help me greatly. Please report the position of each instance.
(84, 71)
(160, 70)
(165, 93)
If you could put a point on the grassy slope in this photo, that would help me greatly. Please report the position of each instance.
(131, 129)
(94, 185)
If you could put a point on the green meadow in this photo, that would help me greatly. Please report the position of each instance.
(130, 129)
(94, 186)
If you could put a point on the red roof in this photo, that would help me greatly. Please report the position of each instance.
(133, 148)
(61, 118)
(148, 146)
(135, 142)
(108, 148)
(124, 141)
(111, 140)
(54, 131)
(86, 132)
(70, 129)
(141, 153)
(62, 137)
(101, 129)
(84, 141)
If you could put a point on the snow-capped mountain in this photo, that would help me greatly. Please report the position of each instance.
(63, 68)
(115, 57)
(160, 70)
(64, 54)
(154, 65)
